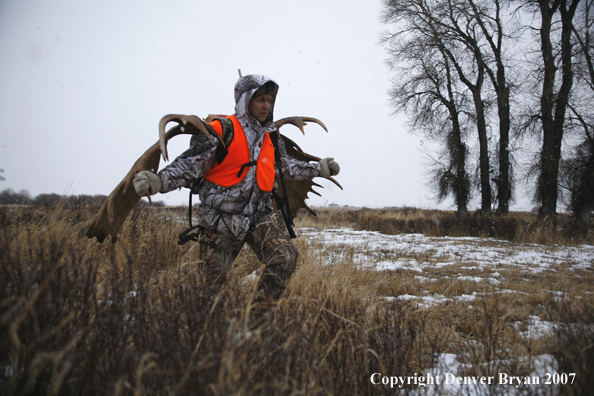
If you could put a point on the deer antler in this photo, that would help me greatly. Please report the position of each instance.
(299, 122)
(297, 190)
(185, 122)
(123, 198)
(295, 150)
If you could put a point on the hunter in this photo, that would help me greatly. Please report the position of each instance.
(235, 191)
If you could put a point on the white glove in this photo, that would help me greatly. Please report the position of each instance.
(329, 167)
(145, 182)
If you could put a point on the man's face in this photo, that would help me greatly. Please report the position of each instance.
(259, 107)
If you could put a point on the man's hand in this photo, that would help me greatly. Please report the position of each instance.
(329, 167)
(146, 182)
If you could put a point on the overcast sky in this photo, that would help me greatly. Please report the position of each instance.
(83, 85)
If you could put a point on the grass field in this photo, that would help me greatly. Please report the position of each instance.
(419, 300)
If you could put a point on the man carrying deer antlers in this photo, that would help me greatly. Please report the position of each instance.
(236, 185)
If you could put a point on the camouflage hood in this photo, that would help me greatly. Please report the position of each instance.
(245, 88)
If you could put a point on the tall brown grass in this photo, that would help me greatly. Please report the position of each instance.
(516, 226)
(82, 318)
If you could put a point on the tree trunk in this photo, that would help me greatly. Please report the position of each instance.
(472, 45)
(457, 148)
(583, 216)
(484, 163)
(547, 180)
(554, 107)
(461, 185)
(503, 180)
(498, 79)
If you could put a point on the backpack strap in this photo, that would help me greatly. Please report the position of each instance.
(221, 152)
(227, 137)
(282, 203)
(228, 134)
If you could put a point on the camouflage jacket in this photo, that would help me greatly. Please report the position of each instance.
(231, 211)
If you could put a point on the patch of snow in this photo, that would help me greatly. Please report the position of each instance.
(416, 252)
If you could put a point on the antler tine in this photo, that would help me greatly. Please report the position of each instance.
(162, 139)
(299, 122)
(182, 120)
(334, 181)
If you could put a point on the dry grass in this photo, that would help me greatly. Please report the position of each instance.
(517, 226)
(81, 318)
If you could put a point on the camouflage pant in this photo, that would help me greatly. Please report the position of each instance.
(269, 239)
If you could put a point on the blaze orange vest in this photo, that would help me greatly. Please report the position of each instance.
(232, 169)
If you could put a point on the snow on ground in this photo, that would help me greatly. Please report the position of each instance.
(444, 379)
(420, 253)
(416, 252)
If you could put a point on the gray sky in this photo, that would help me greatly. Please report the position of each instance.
(83, 85)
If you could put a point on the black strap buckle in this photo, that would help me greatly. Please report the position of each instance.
(186, 237)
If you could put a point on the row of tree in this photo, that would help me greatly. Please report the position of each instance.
(489, 79)
(23, 197)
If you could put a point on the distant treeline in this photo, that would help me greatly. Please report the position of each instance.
(23, 197)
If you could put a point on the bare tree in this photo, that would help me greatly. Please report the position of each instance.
(489, 16)
(9, 197)
(473, 35)
(458, 29)
(577, 169)
(450, 177)
(426, 91)
(577, 177)
(556, 89)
